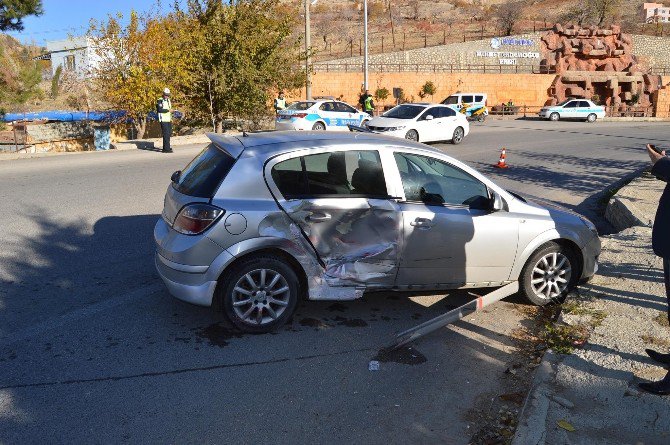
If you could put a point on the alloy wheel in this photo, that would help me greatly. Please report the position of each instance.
(412, 135)
(458, 135)
(260, 296)
(551, 276)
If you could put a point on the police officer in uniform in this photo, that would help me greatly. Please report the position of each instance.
(164, 110)
(280, 102)
(368, 105)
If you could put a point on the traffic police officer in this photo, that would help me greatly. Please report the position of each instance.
(280, 102)
(164, 110)
(368, 105)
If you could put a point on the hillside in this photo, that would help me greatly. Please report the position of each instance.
(406, 24)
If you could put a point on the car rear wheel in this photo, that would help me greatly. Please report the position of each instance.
(591, 118)
(549, 275)
(259, 294)
(412, 135)
(319, 126)
(554, 117)
(458, 136)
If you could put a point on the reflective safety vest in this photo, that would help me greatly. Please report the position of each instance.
(280, 104)
(368, 104)
(164, 110)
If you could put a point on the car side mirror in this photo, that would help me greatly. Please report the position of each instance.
(429, 117)
(175, 176)
(497, 202)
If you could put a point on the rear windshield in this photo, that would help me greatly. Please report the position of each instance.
(404, 111)
(301, 105)
(202, 176)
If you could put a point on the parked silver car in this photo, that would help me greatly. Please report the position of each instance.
(256, 222)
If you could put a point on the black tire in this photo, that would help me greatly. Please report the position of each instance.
(412, 135)
(591, 118)
(530, 281)
(457, 137)
(481, 118)
(234, 281)
(319, 126)
(554, 117)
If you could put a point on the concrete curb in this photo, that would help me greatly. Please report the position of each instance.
(533, 424)
(623, 210)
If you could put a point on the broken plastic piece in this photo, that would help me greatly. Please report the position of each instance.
(373, 365)
(567, 426)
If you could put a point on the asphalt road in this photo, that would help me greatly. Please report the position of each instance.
(93, 349)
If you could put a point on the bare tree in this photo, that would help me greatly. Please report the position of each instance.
(508, 14)
(602, 10)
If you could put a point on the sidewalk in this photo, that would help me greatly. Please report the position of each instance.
(154, 144)
(594, 389)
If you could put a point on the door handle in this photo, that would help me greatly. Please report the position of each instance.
(422, 223)
(318, 217)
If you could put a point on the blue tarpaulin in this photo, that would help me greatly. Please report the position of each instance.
(76, 116)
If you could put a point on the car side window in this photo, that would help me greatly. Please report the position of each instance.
(428, 112)
(584, 104)
(344, 108)
(468, 99)
(435, 182)
(447, 112)
(479, 98)
(572, 104)
(335, 174)
(327, 106)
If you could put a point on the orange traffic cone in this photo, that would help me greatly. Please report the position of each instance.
(503, 155)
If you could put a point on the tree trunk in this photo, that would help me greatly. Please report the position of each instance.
(218, 128)
(140, 124)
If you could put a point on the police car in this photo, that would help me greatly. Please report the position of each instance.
(573, 109)
(319, 115)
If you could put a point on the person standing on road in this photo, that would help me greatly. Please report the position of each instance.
(280, 102)
(660, 240)
(367, 103)
(164, 110)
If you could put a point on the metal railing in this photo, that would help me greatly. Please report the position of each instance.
(434, 68)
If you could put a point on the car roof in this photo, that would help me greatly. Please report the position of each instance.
(272, 143)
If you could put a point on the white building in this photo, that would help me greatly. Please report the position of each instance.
(73, 54)
(655, 13)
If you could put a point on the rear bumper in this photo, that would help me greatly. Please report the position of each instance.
(290, 125)
(195, 288)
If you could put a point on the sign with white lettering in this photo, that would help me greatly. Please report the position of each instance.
(508, 55)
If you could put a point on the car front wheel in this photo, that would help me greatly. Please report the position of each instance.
(591, 118)
(259, 294)
(554, 117)
(319, 126)
(458, 136)
(412, 135)
(549, 275)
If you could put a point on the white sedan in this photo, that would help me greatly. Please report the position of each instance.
(574, 109)
(319, 115)
(422, 122)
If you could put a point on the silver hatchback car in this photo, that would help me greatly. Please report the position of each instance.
(256, 222)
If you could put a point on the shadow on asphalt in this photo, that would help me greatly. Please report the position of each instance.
(68, 267)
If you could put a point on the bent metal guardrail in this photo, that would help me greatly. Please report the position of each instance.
(433, 68)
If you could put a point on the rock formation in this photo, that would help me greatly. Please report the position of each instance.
(596, 63)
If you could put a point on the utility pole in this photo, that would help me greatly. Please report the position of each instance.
(365, 37)
(308, 50)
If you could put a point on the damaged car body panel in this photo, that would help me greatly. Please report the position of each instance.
(339, 202)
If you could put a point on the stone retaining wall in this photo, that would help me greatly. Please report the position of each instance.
(654, 52)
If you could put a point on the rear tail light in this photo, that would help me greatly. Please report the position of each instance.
(300, 115)
(194, 219)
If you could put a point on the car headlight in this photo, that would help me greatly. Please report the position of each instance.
(395, 128)
(589, 224)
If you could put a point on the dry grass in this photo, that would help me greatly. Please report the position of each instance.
(651, 340)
